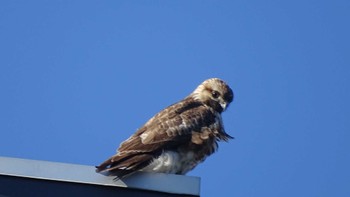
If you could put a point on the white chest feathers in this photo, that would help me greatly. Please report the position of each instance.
(172, 162)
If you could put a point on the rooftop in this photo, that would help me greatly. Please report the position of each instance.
(23, 177)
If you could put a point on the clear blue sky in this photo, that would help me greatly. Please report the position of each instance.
(79, 77)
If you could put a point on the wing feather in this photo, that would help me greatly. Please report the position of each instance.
(172, 125)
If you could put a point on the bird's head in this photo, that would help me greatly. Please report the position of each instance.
(215, 93)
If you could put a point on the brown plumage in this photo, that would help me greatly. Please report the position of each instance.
(177, 138)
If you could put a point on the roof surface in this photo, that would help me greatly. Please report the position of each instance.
(43, 178)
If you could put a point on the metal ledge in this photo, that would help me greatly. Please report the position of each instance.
(13, 171)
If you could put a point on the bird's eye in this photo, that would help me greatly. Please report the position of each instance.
(215, 94)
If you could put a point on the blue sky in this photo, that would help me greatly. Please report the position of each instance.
(79, 77)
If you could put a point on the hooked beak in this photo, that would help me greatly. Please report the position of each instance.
(223, 105)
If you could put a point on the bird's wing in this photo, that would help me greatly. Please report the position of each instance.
(173, 124)
(169, 128)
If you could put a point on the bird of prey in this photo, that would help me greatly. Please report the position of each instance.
(179, 137)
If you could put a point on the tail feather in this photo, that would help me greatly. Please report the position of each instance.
(124, 165)
(103, 166)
